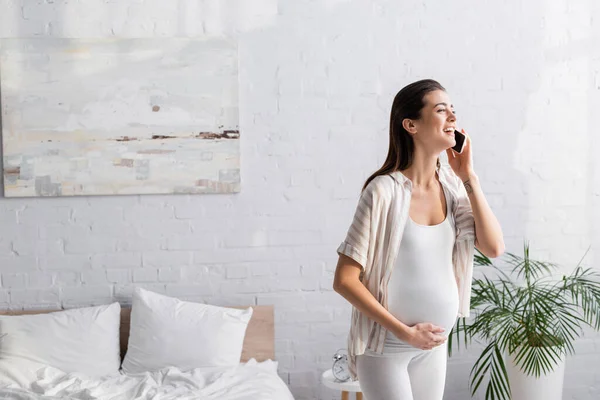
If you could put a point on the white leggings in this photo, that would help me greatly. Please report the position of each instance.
(413, 374)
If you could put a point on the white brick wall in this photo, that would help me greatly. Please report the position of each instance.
(317, 79)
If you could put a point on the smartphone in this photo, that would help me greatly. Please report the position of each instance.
(460, 141)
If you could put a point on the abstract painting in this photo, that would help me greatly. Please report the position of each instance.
(119, 116)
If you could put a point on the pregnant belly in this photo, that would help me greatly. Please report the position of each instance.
(413, 305)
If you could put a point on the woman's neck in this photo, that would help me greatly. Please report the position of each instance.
(422, 172)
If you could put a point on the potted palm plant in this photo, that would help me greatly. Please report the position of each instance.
(528, 320)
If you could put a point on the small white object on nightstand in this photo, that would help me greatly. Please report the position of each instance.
(345, 387)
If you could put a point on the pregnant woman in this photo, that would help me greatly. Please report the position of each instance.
(407, 261)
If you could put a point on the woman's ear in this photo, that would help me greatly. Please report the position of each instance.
(409, 126)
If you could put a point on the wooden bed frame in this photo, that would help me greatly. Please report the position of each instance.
(259, 342)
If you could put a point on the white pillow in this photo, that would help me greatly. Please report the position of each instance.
(167, 332)
(83, 340)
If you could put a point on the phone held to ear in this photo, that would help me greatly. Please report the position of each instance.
(460, 141)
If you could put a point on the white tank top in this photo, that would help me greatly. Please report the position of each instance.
(423, 287)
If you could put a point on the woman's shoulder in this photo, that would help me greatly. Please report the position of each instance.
(380, 186)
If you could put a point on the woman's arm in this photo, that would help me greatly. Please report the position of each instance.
(347, 283)
(488, 233)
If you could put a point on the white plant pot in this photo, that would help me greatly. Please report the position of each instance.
(546, 387)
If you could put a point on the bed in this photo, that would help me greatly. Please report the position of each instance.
(256, 376)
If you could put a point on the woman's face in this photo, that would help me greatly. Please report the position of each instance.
(435, 128)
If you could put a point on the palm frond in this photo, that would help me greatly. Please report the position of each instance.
(538, 360)
(460, 326)
(491, 361)
(527, 268)
(583, 286)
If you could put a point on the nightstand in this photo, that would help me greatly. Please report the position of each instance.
(345, 387)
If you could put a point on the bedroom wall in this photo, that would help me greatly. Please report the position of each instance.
(317, 79)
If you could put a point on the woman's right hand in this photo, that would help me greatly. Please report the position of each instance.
(425, 336)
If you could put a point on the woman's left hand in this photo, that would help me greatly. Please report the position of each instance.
(462, 164)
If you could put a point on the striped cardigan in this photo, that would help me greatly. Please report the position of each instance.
(373, 240)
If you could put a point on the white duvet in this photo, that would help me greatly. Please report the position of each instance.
(249, 381)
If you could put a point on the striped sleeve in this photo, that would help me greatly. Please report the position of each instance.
(465, 223)
(464, 249)
(356, 244)
(463, 271)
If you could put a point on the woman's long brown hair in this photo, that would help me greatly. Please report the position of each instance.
(408, 103)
